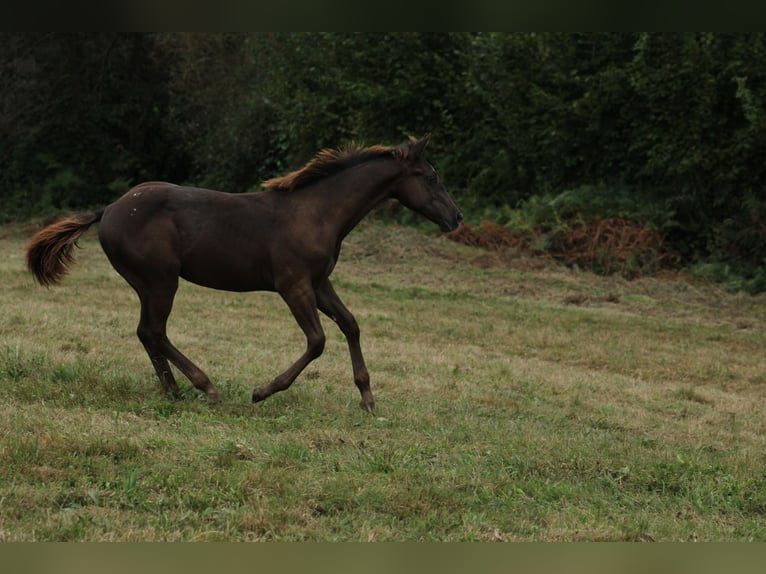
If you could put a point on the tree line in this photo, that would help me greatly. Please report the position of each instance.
(666, 129)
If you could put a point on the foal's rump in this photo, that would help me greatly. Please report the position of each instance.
(202, 235)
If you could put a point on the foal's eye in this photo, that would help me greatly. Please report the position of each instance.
(431, 178)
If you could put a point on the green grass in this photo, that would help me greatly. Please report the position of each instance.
(517, 400)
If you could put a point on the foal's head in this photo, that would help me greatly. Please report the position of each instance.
(422, 190)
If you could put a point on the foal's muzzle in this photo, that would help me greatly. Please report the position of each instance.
(448, 225)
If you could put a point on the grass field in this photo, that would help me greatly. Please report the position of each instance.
(517, 400)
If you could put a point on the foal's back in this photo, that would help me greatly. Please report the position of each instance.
(212, 238)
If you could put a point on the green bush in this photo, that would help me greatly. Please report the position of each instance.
(665, 128)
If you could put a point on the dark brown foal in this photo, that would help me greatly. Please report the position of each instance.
(286, 238)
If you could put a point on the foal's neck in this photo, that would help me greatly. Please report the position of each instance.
(344, 199)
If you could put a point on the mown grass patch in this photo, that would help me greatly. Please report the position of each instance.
(516, 401)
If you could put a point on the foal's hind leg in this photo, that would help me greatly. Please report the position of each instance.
(156, 304)
(162, 368)
(331, 305)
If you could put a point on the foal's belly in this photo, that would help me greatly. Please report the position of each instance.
(228, 274)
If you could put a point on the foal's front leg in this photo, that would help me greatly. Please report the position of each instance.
(331, 305)
(303, 304)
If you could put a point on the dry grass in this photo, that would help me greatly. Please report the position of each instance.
(518, 400)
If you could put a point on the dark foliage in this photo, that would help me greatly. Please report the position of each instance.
(672, 123)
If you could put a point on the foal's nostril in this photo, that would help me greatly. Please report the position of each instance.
(459, 218)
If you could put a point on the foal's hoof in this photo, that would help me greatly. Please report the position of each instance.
(213, 397)
(367, 407)
(258, 396)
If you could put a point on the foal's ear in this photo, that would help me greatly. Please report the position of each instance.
(417, 147)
